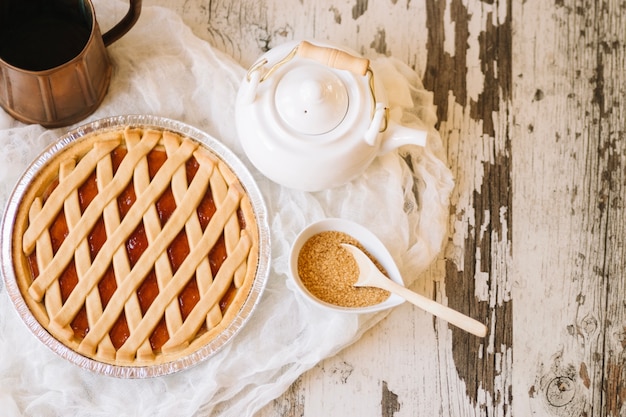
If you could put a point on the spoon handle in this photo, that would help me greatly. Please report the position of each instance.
(446, 313)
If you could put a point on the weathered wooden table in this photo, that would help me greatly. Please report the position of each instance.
(530, 98)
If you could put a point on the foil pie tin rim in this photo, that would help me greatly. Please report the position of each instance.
(204, 352)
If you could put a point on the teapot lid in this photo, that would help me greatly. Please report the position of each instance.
(311, 99)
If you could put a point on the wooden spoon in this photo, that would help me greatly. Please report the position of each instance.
(370, 276)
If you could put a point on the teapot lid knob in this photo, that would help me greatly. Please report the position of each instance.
(311, 99)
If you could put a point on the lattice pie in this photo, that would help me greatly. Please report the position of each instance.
(135, 246)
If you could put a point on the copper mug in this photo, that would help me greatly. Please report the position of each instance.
(54, 67)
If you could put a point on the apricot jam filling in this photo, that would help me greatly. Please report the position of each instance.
(135, 245)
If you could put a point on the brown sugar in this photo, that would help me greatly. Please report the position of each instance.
(329, 271)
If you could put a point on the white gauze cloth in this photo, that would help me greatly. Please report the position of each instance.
(162, 69)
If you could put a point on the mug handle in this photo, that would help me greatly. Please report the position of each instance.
(123, 25)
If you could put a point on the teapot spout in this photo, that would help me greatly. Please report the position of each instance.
(396, 136)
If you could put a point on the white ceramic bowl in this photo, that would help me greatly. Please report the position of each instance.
(369, 241)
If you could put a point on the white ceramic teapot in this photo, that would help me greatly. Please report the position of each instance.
(311, 116)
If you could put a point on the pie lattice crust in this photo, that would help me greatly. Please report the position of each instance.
(135, 246)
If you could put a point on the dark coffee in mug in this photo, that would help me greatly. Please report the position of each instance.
(41, 35)
(54, 65)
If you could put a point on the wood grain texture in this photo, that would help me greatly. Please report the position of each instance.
(530, 98)
(570, 124)
(474, 123)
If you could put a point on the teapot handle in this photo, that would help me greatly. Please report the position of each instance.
(333, 58)
(123, 25)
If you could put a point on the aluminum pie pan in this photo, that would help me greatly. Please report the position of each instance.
(205, 351)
